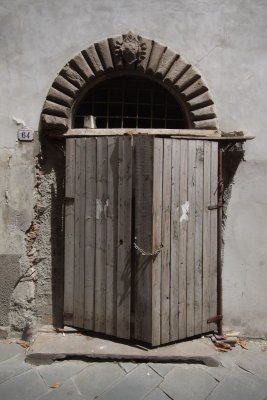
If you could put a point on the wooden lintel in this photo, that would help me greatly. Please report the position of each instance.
(141, 131)
(203, 134)
(220, 138)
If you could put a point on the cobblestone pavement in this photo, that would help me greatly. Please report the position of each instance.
(242, 375)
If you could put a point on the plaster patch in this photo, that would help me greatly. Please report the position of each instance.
(18, 121)
(185, 211)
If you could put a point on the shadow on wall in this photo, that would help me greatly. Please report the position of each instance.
(232, 156)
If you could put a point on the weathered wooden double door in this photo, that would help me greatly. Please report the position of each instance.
(141, 236)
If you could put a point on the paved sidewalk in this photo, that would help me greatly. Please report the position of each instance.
(241, 375)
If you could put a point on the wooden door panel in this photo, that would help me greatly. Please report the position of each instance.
(143, 187)
(124, 240)
(98, 234)
(90, 233)
(69, 231)
(175, 290)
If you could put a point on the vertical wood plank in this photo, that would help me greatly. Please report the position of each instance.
(124, 238)
(157, 240)
(190, 264)
(90, 226)
(175, 235)
(69, 231)
(206, 236)
(198, 236)
(79, 233)
(112, 236)
(183, 238)
(100, 263)
(166, 228)
(143, 234)
(213, 232)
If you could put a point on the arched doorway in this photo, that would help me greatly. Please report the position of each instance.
(141, 240)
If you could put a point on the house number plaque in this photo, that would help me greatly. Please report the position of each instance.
(25, 135)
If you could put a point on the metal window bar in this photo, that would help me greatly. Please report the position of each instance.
(144, 112)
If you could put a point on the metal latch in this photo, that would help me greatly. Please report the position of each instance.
(215, 206)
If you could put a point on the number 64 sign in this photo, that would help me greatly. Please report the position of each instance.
(25, 135)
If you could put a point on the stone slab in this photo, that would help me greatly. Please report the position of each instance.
(67, 391)
(97, 378)
(217, 373)
(162, 369)
(12, 367)
(136, 385)
(187, 383)
(127, 367)
(59, 372)
(9, 350)
(50, 346)
(240, 385)
(157, 394)
(27, 386)
(255, 363)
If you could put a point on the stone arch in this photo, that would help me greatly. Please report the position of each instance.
(128, 54)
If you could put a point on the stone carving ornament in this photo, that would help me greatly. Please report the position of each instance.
(131, 49)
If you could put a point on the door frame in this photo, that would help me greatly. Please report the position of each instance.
(185, 134)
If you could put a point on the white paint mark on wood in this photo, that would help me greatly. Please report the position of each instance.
(185, 211)
(99, 208)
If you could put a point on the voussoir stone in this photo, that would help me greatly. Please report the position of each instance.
(91, 56)
(72, 76)
(59, 97)
(56, 109)
(165, 63)
(142, 65)
(197, 88)
(63, 84)
(203, 113)
(176, 70)
(206, 124)
(155, 57)
(51, 122)
(202, 100)
(104, 54)
(83, 67)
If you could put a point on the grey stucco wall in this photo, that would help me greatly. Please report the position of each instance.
(226, 40)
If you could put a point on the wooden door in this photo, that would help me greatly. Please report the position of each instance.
(175, 207)
(140, 240)
(98, 234)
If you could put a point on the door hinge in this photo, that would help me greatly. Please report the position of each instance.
(215, 206)
(215, 319)
(67, 315)
(68, 199)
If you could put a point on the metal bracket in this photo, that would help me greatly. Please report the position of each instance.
(215, 206)
(68, 199)
(215, 319)
(67, 315)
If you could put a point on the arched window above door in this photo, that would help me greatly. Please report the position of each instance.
(130, 102)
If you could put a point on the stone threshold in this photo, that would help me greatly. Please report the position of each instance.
(50, 346)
